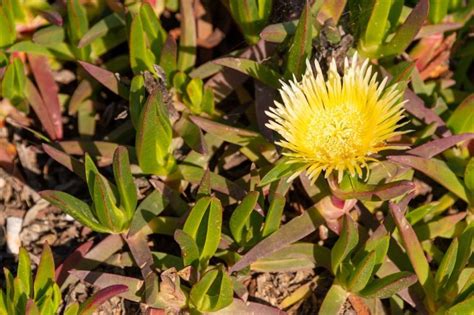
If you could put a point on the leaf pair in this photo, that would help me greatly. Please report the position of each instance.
(105, 215)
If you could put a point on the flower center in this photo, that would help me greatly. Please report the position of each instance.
(335, 133)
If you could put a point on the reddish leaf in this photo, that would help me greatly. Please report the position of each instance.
(62, 271)
(92, 303)
(107, 78)
(435, 147)
(38, 105)
(49, 91)
(83, 91)
(64, 159)
(291, 232)
(52, 17)
(104, 280)
(374, 192)
(417, 108)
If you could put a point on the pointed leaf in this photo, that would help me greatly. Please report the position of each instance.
(301, 45)
(24, 272)
(213, 292)
(189, 249)
(252, 68)
(389, 285)
(274, 215)
(101, 28)
(461, 119)
(436, 169)
(362, 273)
(124, 181)
(45, 273)
(241, 215)
(187, 42)
(92, 303)
(106, 78)
(345, 244)
(334, 300)
(435, 147)
(76, 208)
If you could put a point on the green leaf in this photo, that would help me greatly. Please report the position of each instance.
(101, 28)
(52, 34)
(137, 98)
(282, 168)
(252, 68)
(187, 41)
(153, 29)
(389, 285)
(241, 216)
(437, 170)
(154, 135)
(469, 179)
(78, 26)
(461, 119)
(168, 58)
(204, 225)
(91, 173)
(447, 265)
(189, 249)
(300, 48)
(194, 95)
(124, 181)
(108, 214)
(24, 272)
(76, 208)
(345, 244)
(140, 56)
(334, 300)
(274, 215)
(438, 10)
(7, 28)
(464, 307)
(414, 251)
(60, 51)
(72, 309)
(362, 273)
(45, 273)
(213, 292)
(294, 257)
(376, 27)
(13, 83)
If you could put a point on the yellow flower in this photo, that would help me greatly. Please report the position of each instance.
(336, 124)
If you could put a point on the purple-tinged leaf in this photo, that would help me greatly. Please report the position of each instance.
(414, 251)
(38, 105)
(417, 108)
(430, 29)
(62, 271)
(227, 133)
(103, 280)
(31, 308)
(405, 34)
(107, 78)
(64, 159)
(373, 192)
(291, 232)
(345, 244)
(386, 287)
(101, 252)
(219, 183)
(52, 17)
(436, 169)
(104, 150)
(49, 91)
(100, 297)
(435, 147)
